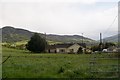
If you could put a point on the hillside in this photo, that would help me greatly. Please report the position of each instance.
(11, 34)
(112, 38)
(68, 38)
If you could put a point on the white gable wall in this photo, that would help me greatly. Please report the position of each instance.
(74, 47)
(59, 50)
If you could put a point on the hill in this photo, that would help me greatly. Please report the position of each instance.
(68, 38)
(11, 34)
(112, 38)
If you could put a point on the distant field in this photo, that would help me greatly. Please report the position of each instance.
(26, 41)
(24, 64)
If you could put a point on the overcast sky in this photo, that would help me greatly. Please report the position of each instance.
(64, 17)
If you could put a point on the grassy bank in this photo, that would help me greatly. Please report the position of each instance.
(24, 64)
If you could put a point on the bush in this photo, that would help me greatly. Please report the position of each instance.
(36, 44)
(80, 51)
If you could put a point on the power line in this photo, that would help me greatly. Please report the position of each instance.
(111, 24)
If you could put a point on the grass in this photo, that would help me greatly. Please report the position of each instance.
(25, 42)
(24, 64)
(21, 42)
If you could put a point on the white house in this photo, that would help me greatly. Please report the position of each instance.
(65, 48)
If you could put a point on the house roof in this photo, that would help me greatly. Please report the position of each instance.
(82, 44)
(64, 45)
(59, 46)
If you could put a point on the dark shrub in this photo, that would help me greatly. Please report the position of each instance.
(36, 44)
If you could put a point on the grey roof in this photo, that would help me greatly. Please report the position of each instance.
(64, 45)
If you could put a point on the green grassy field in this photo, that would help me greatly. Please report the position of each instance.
(24, 64)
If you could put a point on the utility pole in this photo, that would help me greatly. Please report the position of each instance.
(82, 38)
(82, 44)
(45, 36)
(100, 42)
(100, 38)
(45, 41)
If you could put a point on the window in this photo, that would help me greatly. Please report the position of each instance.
(62, 50)
(71, 50)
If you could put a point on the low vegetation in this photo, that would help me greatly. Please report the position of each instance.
(21, 45)
(24, 64)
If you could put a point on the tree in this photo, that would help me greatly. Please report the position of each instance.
(80, 51)
(100, 46)
(108, 44)
(36, 44)
(95, 48)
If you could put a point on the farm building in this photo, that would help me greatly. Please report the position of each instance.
(65, 48)
(112, 49)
